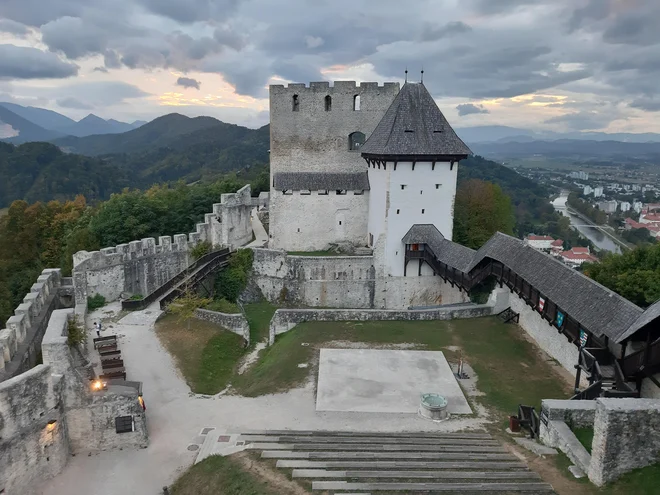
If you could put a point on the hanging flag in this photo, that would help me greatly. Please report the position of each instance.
(560, 319)
(583, 338)
(541, 304)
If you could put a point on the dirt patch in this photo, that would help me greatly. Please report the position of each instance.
(275, 479)
(251, 358)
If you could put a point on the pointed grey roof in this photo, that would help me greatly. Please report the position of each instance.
(414, 126)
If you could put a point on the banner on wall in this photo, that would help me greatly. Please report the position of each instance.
(541, 304)
(560, 319)
(583, 338)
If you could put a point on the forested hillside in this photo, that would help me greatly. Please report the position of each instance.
(171, 148)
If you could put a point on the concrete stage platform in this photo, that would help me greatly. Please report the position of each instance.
(385, 381)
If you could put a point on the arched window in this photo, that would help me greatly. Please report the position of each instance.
(356, 102)
(296, 103)
(355, 140)
(328, 103)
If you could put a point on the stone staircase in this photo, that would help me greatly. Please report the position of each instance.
(388, 463)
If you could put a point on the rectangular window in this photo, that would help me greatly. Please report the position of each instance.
(341, 192)
(323, 192)
(423, 211)
(339, 222)
(398, 211)
(358, 193)
(421, 192)
(305, 192)
(437, 186)
(287, 192)
(124, 424)
(403, 186)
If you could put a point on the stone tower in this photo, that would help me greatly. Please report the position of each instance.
(412, 158)
(319, 187)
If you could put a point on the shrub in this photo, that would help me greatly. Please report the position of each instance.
(95, 302)
(200, 249)
(136, 297)
(232, 281)
(75, 333)
(223, 306)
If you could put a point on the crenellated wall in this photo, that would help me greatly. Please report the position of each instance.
(140, 267)
(20, 342)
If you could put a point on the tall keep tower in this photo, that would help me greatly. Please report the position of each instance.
(319, 187)
(412, 158)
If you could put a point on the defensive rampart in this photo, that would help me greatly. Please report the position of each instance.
(236, 323)
(140, 267)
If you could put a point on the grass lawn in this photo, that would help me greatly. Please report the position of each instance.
(223, 306)
(585, 436)
(207, 354)
(222, 475)
(258, 317)
(509, 368)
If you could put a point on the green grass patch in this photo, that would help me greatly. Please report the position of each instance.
(220, 475)
(509, 368)
(644, 481)
(223, 306)
(585, 436)
(207, 354)
(258, 316)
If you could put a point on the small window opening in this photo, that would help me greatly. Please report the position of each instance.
(423, 210)
(341, 192)
(287, 192)
(296, 103)
(298, 230)
(398, 211)
(356, 102)
(124, 424)
(440, 129)
(323, 192)
(437, 186)
(403, 186)
(421, 192)
(339, 222)
(305, 192)
(358, 193)
(409, 131)
(328, 103)
(356, 140)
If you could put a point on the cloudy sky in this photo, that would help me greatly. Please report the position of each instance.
(562, 65)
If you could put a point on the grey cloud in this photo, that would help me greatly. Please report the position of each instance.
(13, 27)
(74, 37)
(582, 121)
(470, 108)
(229, 37)
(70, 102)
(433, 33)
(188, 11)
(594, 10)
(101, 69)
(18, 62)
(501, 6)
(635, 28)
(187, 82)
(98, 93)
(648, 104)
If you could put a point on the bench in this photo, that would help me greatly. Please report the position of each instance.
(112, 364)
(108, 350)
(105, 341)
(115, 373)
(108, 355)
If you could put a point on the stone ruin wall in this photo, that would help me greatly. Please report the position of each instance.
(140, 267)
(49, 412)
(20, 342)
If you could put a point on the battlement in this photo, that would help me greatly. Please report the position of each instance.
(26, 315)
(333, 87)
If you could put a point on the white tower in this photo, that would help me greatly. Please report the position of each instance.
(412, 159)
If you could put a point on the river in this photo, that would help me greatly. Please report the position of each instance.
(599, 239)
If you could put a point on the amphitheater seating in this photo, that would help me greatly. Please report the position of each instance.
(361, 463)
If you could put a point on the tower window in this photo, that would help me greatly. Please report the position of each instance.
(403, 186)
(328, 103)
(341, 192)
(421, 192)
(437, 186)
(423, 211)
(323, 192)
(339, 222)
(356, 140)
(296, 103)
(356, 102)
(398, 211)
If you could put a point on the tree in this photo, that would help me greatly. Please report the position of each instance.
(481, 209)
(185, 305)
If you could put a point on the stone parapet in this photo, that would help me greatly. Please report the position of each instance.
(235, 323)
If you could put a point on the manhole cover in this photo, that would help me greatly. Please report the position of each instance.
(193, 448)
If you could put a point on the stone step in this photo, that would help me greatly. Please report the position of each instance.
(208, 446)
(458, 475)
(458, 440)
(435, 487)
(366, 447)
(303, 464)
(398, 434)
(450, 456)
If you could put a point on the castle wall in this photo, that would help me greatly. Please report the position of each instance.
(31, 450)
(235, 323)
(312, 222)
(140, 267)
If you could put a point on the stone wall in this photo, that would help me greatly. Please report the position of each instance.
(344, 282)
(90, 416)
(33, 432)
(20, 342)
(140, 267)
(236, 323)
(286, 319)
(626, 437)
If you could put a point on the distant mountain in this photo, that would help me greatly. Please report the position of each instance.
(47, 119)
(158, 133)
(92, 125)
(570, 148)
(500, 133)
(23, 130)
